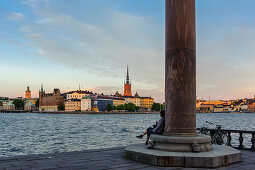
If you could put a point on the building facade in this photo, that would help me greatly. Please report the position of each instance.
(8, 106)
(86, 104)
(77, 94)
(100, 102)
(146, 102)
(251, 107)
(29, 106)
(218, 109)
(73, 105)
(118, 101)
(50, 101)
(127, 86)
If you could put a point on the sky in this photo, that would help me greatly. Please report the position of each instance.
(63, 43)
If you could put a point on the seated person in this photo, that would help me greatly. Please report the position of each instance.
(157, 129)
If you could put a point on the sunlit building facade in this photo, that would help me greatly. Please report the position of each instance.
(146, 102)
(50, 101)
(86, 104)
(73, 105)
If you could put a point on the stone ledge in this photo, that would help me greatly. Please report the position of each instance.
(219, 156)
(182, 143)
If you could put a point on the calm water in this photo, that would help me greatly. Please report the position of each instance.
(24, 134)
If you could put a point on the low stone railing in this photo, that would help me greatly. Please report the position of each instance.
(240, 139)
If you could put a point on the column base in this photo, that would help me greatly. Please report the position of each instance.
(219, 156)
(182, 143)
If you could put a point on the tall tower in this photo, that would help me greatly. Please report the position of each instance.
(41, 94)
(28, 93)
(127, 86)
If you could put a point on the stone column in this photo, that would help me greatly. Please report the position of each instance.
(180, 68)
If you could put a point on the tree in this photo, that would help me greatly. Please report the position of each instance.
(121, 107)
(130, 107)
(114, 108)
(162, 106)
(156, 106)
(37, 103)
(109, 107)
(137, 108)
(61, 108)
(19, 104)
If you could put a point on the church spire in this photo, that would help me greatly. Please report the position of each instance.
(42, 88)
(127, 79)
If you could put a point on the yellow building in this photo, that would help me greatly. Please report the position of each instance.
(218, 109)
(137, 101)
(214, 102)
(77, 94)
(146, 102)
(73, 105)
(118, 101)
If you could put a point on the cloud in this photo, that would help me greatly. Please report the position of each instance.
(102, 49)
(104, 45)
(25, 28)
(15, 16)
(224, 66)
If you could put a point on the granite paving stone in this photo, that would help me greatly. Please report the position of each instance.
(109, 158)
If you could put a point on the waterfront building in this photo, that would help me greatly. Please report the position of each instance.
(251, 107)
(32, 100)
(78, 94)
(73, 105)
(218, 109)
(100, 102)
(215, 102)
(128, 99)
(8, 106)
(227, 107)
(50, 101)
(137, 100)
(86, 103)
(205, 108)
(3, 100)
(118, 101)
(28, 93)
(244, 107)
(127, 86)
(146, 102)
(29, 106)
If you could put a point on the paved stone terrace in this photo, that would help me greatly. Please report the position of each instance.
(111, 158)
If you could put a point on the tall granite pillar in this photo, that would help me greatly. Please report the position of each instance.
(180, 88)
(180, 68)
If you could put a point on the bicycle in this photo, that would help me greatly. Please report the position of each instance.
(218, 137)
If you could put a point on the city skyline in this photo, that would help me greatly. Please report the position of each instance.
(64, 44)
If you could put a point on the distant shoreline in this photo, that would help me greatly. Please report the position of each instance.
(75, 112)
(91, 112)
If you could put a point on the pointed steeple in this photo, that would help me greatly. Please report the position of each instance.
(28, 90)
(127, 79)
(41, 88)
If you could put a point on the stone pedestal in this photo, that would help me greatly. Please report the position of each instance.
(219, 156)
(199, 143)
